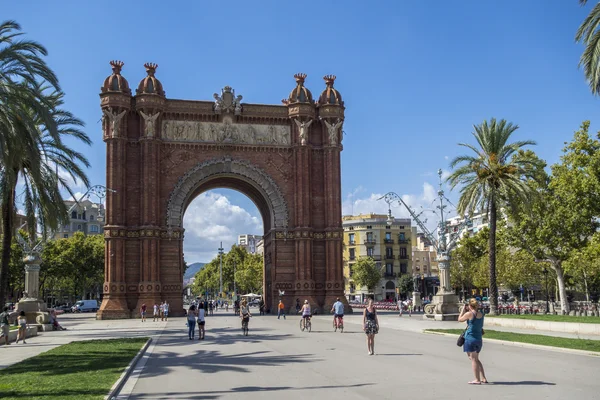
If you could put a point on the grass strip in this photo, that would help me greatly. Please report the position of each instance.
(566, 343)
(78, 370)
(550, 317)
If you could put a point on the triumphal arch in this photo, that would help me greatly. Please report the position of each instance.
(161, 153)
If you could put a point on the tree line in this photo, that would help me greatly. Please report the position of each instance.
(246, 268)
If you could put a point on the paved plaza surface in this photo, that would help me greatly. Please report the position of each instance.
(279, 361)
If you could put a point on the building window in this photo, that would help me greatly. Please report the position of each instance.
(388, 235)
(91, 217)
(401, 226)
(351, 239)
(350, 272)
(79, 227)
(94, 228)
(370, 237)
(83, 216)
(74, 214)
(369, 226)
(403, 268)
(66, 236)
(352, 254)
(389, 269)
(403, 253)
(370, 252)
(351, 228)
(401, 236)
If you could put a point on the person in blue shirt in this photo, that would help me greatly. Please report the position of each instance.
(474, 338)
(338, 311)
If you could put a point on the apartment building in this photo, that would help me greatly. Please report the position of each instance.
(84, 216)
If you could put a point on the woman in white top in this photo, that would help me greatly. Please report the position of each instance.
(201, 323)
(22, 321)
(306, 313)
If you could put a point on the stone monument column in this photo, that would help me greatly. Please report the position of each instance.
(115, 100)
(35, 308)
(331, 113)
(150, 104)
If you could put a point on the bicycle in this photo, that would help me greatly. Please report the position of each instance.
(338, 323)
(305, 324)
(245, 325)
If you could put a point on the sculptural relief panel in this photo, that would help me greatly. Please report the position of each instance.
(226, 132)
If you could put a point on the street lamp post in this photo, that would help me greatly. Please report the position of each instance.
(234, 290)
(546, 278)
(445, 302)
(221, 269)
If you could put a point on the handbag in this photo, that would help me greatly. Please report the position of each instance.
(461, 338)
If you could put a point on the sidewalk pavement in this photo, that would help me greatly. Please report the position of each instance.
(416, 323)
(79, 327)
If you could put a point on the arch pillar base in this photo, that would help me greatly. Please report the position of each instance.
(114, 307)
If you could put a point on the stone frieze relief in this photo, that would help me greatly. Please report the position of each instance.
(226, 132)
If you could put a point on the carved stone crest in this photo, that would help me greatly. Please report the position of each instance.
(227, 102)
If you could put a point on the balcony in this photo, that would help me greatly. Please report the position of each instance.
(375, 258)
(389, 257)
(352, 243)
(403, 241)
(403, 257)
(352, 258)
(388, 241)
(370, 242)
(389, 275)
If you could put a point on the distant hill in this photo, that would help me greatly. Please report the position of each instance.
(193, 269)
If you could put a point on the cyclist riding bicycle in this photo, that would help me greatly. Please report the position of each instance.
(338, 311)
(245, 313)
(306, 314)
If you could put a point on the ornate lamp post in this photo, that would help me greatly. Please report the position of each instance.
(445, 303)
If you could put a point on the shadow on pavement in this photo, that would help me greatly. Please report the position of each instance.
(518, 383)
(242, 389)
(399, 354)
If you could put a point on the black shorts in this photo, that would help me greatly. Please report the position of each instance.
(338, 315)
(201, 323)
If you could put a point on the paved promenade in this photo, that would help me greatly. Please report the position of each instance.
(277, 360)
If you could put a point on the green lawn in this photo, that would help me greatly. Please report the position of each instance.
(550, 317)
(567, 343)
(78, 370)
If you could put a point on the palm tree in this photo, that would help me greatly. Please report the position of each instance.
(496, 176)
(32, 127)
(589, 34)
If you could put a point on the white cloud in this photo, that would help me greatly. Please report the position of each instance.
(77, 196)
(211, 219)
(70, 181)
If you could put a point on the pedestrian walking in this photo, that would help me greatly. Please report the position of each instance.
(370, 325)
(143, 312)
(166, 310)
(472, 314)
(410, 307)
(281, 310)
(261, 307)
(5, 324)
(191, 321)
(400, 305)
(210, 307)
(22, 321)
(155, 314)
(201, 323)
(161, 309)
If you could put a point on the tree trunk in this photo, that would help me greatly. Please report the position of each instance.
(493, 294)
(562, 290)
(7, 230)
(587, 290)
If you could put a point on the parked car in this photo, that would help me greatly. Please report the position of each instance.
(64, 308)
(254, 303)
(85, 306)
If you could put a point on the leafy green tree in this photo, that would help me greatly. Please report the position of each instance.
(564, 216)
(365, 273)
(496, 176)
(406, 284)
(32, 129)
(465, 259)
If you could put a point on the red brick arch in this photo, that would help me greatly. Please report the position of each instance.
(162, 153)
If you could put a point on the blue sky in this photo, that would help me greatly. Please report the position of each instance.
(415, 75)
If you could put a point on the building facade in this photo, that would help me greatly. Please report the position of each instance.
(84, 216)
(476, 223)
(249, 242)
(369, 235)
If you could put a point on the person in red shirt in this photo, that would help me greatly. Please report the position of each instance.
(143, 312)
(281, 310)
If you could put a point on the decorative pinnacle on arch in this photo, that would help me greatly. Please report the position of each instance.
(116, 66)
(285, 101)
(151, 68)
(300, 77)
(329, 79)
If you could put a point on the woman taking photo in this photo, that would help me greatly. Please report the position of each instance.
(473, 338)
(370, 325)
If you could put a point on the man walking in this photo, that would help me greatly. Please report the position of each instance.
(166, 310)
(281, 310)
(4, 324)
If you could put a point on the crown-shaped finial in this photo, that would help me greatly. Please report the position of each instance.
(300, 77)
(329, 79)
(116, 66)
(151, 68)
